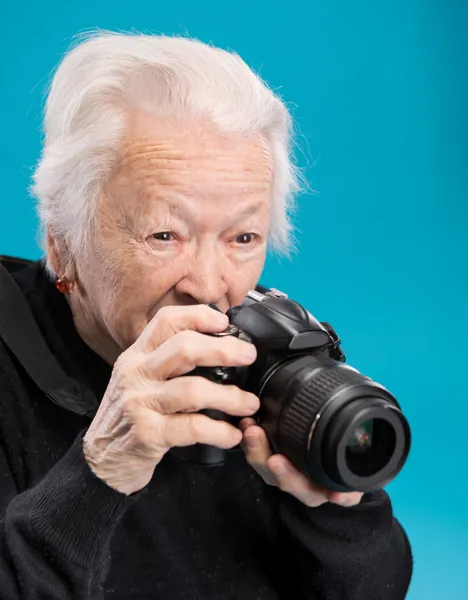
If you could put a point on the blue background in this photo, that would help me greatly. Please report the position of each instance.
(379, 91)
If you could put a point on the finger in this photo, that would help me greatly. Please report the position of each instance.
(246, 423)
(258, 449)
(187, 429)
(257, 452)
(189, 349)
(170, 320)
(294, 482)
(192, 394)
(345, 499)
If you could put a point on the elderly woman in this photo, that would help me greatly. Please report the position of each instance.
(164, 176)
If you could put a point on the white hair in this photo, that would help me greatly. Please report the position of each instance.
(107, 74)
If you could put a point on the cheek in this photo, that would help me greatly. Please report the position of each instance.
(244, 278)
(138, 286)
(115, 281)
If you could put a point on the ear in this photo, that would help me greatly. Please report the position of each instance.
(60, 257)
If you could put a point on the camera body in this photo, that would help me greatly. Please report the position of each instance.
(340, 428)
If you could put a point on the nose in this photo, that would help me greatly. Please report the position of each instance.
(205, 279)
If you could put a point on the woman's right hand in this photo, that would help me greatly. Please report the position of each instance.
(148, 408)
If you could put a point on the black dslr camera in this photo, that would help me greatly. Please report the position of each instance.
(340, 428)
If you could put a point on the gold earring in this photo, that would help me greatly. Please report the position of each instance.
(64, 286)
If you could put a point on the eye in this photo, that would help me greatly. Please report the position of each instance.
(246, 238)
(163, 236)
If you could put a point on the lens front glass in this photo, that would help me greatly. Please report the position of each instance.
(361, 440)
(370, 447)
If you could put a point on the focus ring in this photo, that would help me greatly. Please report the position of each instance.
(301, 413)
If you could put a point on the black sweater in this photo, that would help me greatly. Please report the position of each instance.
(192, 533)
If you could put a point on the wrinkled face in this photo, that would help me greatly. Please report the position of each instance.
(184, 220)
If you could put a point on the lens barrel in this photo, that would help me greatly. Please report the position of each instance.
(342, 429)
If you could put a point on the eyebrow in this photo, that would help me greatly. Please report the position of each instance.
(179, 211)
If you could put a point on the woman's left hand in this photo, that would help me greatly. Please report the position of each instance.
(277, 470)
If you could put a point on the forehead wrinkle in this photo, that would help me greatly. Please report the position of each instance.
(153, 205)
(185, 180)
(181, 212)
(174, 155)
(137, 151)
(189, 186)
(232, 167)
(187, 169)
(184, 213)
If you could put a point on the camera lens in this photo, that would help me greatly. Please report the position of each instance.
(361, 440)
(367, 453)
(343, 430)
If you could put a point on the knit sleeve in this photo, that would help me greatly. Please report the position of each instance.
(55, 537)
(357, 553)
